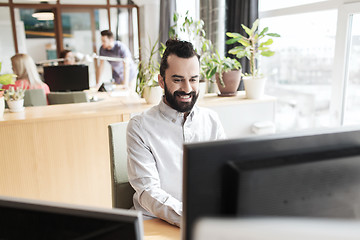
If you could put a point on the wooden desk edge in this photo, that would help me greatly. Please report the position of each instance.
(160, 230)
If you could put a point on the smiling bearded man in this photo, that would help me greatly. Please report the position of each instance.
(155, 138)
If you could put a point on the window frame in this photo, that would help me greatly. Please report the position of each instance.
(345, 9)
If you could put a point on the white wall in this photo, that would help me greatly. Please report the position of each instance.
(7, 48)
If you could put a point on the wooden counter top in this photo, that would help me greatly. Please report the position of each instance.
(212, 99)
(108, 105)
(105, 106)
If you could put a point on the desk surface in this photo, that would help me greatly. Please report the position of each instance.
(156, 229)
(106, 106)
(110, 105)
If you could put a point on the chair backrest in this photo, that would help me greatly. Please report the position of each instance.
(35, 97)
(122, 192)
(67, 97)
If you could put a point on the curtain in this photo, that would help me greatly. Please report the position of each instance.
(167, 10)
(240, 12)
(212, 12)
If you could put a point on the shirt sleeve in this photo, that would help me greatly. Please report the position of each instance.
(144, 178)
(124, 51)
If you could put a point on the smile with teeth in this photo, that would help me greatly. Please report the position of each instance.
(185, 97)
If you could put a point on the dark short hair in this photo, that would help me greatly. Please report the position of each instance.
(107, 33)
(180, 48)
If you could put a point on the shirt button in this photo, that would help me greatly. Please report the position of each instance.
(173, 120)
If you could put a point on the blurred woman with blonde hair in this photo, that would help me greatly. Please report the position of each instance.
(27, 75)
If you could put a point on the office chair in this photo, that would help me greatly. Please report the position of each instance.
(67, 97)
(35, 97)
(122, 192)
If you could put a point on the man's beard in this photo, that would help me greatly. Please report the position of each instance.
(177, 105)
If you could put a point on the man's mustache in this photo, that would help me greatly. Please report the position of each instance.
(182, 93)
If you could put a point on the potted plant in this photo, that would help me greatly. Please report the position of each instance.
(227, 73)
(257, 43)
(147, 85)
(5, 79)
(15, 98)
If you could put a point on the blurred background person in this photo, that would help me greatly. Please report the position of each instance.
(68, 56)
(116, 49)
(27, 75)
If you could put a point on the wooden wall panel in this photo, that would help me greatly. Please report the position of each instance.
(64, 160)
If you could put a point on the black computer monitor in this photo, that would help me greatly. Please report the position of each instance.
(67, 77)
(30, 219)
(308, 174)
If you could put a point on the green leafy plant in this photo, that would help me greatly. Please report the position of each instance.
(149, 69)
(219, 65)
(257, 43)
(6, 79)
(13, 94)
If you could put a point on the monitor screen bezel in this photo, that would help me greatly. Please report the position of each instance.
(66, 84)
(111, 214)
(198, 201)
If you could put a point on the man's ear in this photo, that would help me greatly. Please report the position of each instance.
(161, 81)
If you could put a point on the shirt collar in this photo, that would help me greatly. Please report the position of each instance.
(173, 115)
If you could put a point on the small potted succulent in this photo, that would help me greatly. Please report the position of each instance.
(255, 44)
(15, 98)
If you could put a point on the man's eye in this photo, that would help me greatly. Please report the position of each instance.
(193, 80)
(177, 80)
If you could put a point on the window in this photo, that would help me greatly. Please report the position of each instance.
(307, 73)
(300, 72)
(265, 5)
(351, 91)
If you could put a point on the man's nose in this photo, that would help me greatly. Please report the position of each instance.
(186, 87)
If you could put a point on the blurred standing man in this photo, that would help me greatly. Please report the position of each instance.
(116, 49)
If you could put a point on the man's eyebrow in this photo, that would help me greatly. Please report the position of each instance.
(177, 76)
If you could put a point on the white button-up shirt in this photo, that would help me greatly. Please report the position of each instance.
(155, 141)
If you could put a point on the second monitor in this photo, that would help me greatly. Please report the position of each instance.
(308, 174)
(64, 78)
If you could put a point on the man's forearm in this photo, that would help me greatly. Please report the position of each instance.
(99, 72)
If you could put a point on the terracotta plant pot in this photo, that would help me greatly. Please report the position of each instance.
(231, 80)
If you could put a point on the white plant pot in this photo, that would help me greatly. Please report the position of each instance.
(16, 105)
(153, 95)
(202, 89)
(2, 107)
(254, 87)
